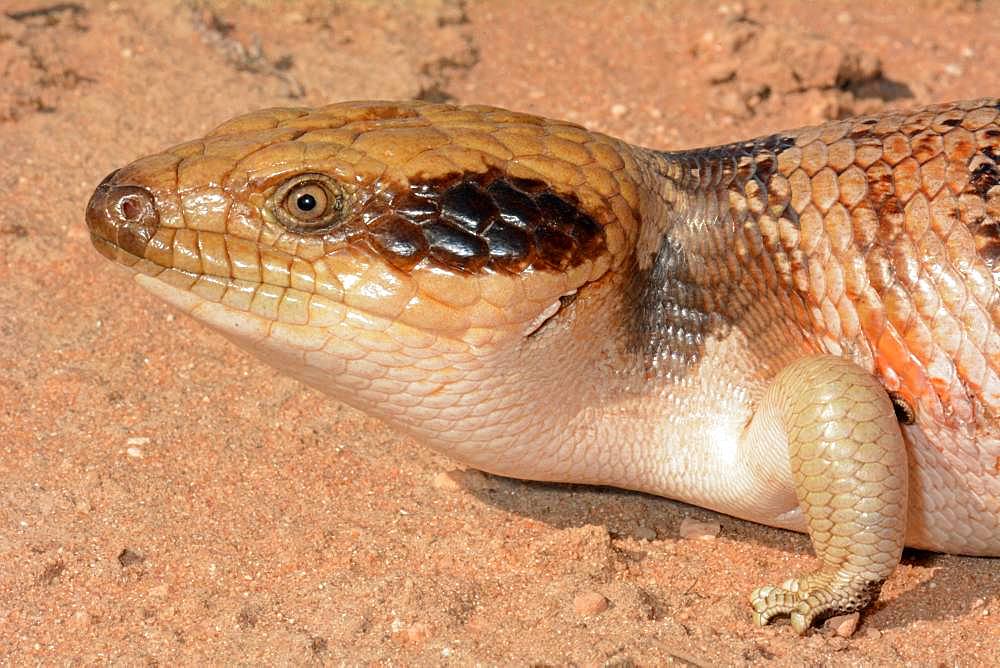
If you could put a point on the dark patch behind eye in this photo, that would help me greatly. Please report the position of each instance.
(413, 207)
(509, 246)
(472, 221)
(456, 247)
(515, 206)
(400, 240)
(469, 206)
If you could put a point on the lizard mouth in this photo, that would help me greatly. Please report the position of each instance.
(227, 283)
(124, 224)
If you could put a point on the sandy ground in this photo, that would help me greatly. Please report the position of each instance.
(166, 499)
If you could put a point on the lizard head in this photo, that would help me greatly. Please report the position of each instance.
(392, 254)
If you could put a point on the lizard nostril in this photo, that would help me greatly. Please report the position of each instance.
(134, 207)
(123, 215)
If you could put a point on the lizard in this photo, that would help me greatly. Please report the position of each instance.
(801, 330)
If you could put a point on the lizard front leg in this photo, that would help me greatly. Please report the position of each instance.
(849, 466)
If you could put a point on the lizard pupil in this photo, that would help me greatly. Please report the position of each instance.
(306, 202)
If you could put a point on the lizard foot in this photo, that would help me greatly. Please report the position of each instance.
(848, 462)
(811, 598)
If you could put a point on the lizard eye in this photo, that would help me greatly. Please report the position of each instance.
(309, 203)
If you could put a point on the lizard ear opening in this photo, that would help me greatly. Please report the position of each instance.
(904, 411)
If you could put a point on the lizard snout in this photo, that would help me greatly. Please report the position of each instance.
(122, 215)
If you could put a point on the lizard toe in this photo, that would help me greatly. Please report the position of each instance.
(812, 598)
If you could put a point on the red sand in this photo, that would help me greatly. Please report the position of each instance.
(167, 499)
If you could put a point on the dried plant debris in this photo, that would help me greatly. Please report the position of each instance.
(31, 61)
(441, 71)
(245, 56)
(129, 557)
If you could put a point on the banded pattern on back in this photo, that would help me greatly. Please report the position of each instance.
(878, 235)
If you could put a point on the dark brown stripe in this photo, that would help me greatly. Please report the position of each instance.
(470, 222)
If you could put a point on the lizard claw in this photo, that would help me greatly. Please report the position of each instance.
(811, 598)
(771, 601)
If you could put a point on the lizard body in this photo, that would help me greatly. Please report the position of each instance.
(801, 330)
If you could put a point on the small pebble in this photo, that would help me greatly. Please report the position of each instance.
(720, 73)
(734, 11)
(590, 603)
(619, 110)
(129, 557)
(134, 453)
(448, 480)
(843, 625)
(730, 102)
(137, 440)
(699, 530)
(458, 479)
(473, 479)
